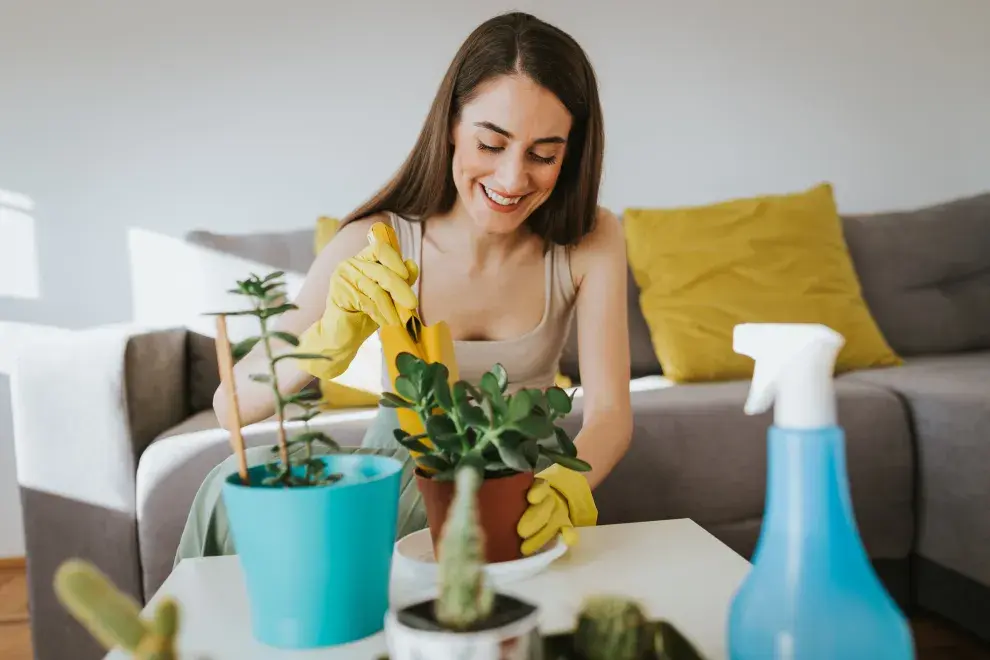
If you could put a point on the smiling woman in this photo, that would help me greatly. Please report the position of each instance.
(501, 237)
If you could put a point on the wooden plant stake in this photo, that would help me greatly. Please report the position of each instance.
(226, 363)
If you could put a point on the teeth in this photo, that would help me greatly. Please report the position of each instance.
(498, 199)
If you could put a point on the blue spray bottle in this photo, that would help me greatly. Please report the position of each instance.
(811, 593)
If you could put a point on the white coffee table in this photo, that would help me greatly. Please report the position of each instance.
(676, 569)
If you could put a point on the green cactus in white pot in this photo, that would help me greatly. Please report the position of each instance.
(468, 619)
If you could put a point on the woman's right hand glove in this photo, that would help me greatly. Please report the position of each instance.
(363, 293)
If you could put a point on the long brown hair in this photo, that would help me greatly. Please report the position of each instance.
(511, 43)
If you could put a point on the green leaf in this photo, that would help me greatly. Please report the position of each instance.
(410, 442)
(512, 456)
(272, 276)
(406, 363)
(519, 405)
(530, 448)
(300, 356)
(287, 337)
(473, 392)
(443, 433)
(559, 400)
(472, 415)
(441, 389)
(243, 347)
(433, 462)
(501, 377)
(534, 426)
(303, 396)
(440, 425)
(405, 387)
(275, 311)
(567, 445)
(391, 400)
(261, 378)
(459, 391)
(570, 462)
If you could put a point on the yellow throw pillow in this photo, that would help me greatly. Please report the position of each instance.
(776, 258)
(338, 395)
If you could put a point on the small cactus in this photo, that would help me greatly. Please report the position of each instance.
(112, 617)
(466, 598)
(611, 628)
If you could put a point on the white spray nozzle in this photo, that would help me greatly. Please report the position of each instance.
(794, 366)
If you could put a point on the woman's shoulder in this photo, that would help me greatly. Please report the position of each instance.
(602, 248)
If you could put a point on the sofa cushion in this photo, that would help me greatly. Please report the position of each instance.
(781, 258)
(948, 398)
(291, 250)
(695, 454)
(925, 274)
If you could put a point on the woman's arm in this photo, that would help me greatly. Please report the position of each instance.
(599, 268)
(255, 399)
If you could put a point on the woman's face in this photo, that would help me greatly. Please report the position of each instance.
(508, 147)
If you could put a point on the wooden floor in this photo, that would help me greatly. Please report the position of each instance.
(936, 639)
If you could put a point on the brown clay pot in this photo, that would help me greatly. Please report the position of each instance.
(501, 504)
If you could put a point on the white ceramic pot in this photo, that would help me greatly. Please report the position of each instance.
(518, 640)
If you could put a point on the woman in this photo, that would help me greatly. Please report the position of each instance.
(497, 218)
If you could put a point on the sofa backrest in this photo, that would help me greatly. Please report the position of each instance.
(925, 274)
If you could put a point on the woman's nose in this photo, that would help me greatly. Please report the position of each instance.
(511, 175)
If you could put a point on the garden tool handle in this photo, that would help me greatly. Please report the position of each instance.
(409, 317)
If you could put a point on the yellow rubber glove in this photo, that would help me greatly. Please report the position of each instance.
(363, 293)
(559, 502)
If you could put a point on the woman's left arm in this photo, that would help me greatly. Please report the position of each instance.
(599, 268)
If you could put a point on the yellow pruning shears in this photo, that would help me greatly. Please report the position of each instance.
(430, 343)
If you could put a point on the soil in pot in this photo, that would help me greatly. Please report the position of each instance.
(501, 504)
(505, 610)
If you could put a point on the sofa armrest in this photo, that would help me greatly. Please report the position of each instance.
(85, 406)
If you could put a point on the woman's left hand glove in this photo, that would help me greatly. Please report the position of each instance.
(559, 501)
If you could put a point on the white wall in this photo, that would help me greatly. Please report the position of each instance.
(248, 115)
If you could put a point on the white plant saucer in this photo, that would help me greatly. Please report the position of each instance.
(414, 559)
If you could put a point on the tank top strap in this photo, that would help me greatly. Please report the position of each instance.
(410, 235)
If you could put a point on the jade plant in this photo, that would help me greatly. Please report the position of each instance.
(294, 462)
(113, 618)
(506, 433)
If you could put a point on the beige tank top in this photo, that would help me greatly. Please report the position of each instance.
(532, 359)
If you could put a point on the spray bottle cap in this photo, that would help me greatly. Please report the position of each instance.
(793, 371)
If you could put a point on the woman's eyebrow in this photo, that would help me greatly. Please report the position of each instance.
(555, 139)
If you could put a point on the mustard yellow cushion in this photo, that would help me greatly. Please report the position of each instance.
(338, 395)
(776, 258)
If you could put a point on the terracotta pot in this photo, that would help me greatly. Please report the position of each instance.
(501, 504)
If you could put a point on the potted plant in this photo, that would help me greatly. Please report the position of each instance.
(612, 627)
(467, 620)
(314, 529)
(507, 435)
(112, 617)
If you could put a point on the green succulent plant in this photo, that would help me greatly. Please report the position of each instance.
(501, 432)
(466, 597)
(611, 628)
(112, 617)
(294, 463)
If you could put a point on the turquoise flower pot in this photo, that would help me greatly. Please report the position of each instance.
(317, 560)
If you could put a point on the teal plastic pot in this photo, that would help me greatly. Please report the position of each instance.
(317, 560)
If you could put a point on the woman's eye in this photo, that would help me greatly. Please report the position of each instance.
(487, 147)
(546, 160)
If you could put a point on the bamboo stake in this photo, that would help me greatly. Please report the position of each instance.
(226, 363)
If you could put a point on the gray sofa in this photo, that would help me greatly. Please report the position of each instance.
(115, 432)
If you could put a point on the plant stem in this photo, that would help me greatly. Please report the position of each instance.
(283, 447)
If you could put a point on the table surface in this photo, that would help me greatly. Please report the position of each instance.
(676, 569)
